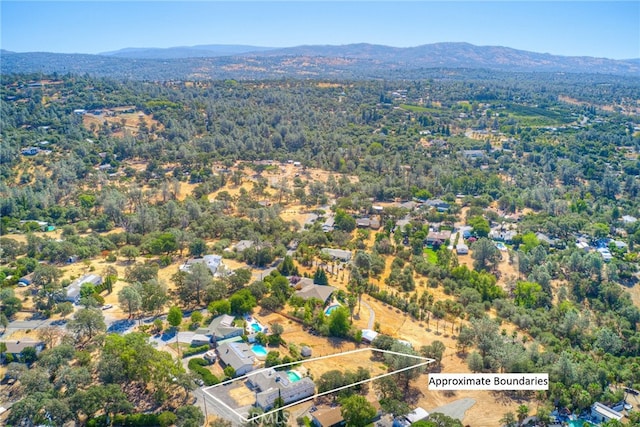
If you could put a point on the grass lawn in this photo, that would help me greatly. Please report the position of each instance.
(431, 256)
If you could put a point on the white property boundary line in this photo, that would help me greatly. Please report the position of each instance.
(425, 361)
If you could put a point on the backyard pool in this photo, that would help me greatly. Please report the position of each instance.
(256, 327)
(329, 309)
(293, 376)
(501, 246)
(579, 423)
(259, 350)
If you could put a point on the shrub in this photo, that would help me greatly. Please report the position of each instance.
(195, 350)
(197, 365)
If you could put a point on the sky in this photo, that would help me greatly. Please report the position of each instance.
(608, 29)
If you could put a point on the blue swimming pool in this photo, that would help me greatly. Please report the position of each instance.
(331, 308)
(293, 376)
(256, 327)
(259, 350)
(579, 423)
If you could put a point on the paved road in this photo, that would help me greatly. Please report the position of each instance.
(212, 406)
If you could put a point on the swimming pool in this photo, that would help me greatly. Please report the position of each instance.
(330, 309)
(501, 246)
(579, 423)
(293, 376)
(256, 327)
(259, 350)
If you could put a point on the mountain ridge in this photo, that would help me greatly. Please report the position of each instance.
(361, 60)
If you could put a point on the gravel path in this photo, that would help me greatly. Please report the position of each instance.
(456, 409)
(372, 315)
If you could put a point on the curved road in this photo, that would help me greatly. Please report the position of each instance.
(372, 315)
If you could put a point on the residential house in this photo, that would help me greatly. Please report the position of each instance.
(546, 239)
(321, 292)
(79, 112)
(606, 255)
(15, 347)
(437, 204)
(339, 254)
(436, 238)
(242, 245)
(238, 355)
(270, 385)
(331, 416)
(327, 416)
(73, 290)
(328, 224)
(601, 413)
(363, 222)
(502, 235)
(374, 223)
(25, 280)
(211, 261)
(221, 328)
(414, 416)
(30, 151)
(473, 154)
(583, 245)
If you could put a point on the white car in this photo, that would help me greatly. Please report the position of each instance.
(107, 306)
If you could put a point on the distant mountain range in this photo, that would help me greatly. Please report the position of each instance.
(318, 61)
(200, 51)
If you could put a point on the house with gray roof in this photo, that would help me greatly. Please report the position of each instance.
(238, 355)
(321, 292)
(73, 290)
(15, 347)
(340, 254)
(271, 384)
(221, 328)
(211, 261)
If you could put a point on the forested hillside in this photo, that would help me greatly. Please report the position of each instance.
(132, 169)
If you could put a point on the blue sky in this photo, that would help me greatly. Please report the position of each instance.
(591, 28)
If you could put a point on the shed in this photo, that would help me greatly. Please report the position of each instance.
(305, 351)
(368, 335)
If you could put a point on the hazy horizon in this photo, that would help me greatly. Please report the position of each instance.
(599, 29)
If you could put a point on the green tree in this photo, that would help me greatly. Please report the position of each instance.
(197, 247)
(320, 277)
(287, 267)
(397, 362)
(509, 420)
(189, 416)
(523, 412)
(242, 302)
(475, 362)
(87, 323)
(356, 411)
(130, 299)
(197, 279)
(222, 306)
(343, 221)
(339, 322)
(175, 316)
(527, 294)
(65, 308)
(485, 254)
(480, 226)
(130, 252)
